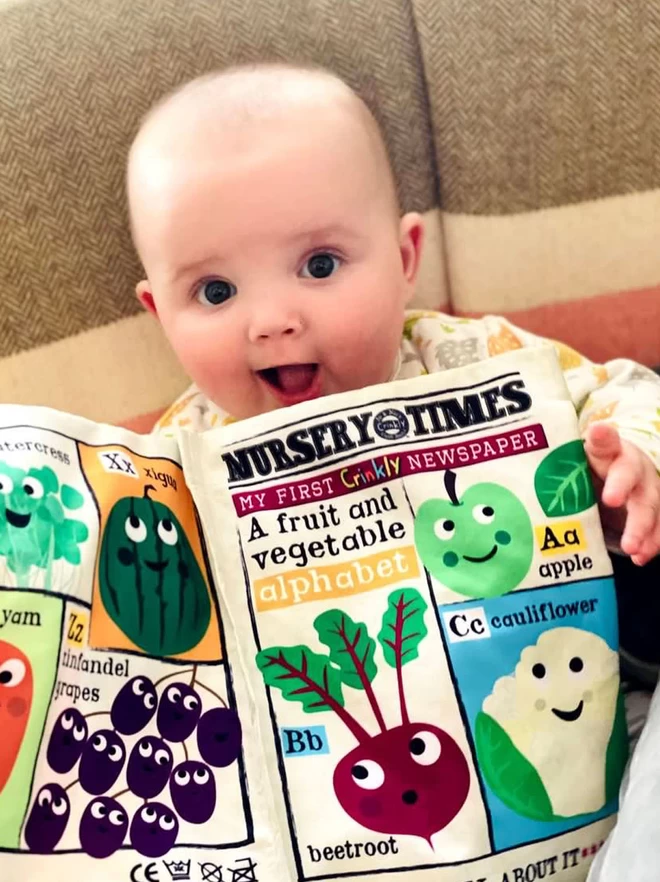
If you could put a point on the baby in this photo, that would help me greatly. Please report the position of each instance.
(264, 211)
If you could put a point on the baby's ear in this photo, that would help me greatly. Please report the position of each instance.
(411, 239)
(146, 298)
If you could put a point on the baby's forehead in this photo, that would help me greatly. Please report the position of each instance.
(197, 122)
(216, 125)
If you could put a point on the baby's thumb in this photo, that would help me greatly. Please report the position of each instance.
(602, 446)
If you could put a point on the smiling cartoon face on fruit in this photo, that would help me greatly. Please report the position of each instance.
(480, 544)
(34, 528)
(565, 683)
(558, 709)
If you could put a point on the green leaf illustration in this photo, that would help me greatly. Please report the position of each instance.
(71, 498)
(563, 483)
(508, 773)
(302, 675)
(617, 753)
(351, 648)
(403, 627)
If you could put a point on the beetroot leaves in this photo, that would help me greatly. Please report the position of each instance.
(411, 779)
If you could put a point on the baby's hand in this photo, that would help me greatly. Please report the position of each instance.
(629, 488)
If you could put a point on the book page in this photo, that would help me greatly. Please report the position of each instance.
(125, 750)
(423, 606)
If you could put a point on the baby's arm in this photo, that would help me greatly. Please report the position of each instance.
(618, 407)
(192, 411)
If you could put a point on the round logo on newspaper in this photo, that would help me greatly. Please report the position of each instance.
(391, 424)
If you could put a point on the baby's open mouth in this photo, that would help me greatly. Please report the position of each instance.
(292, 383)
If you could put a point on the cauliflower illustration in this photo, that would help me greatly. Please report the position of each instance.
(555, 725)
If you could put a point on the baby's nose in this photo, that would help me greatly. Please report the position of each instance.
(272, 324)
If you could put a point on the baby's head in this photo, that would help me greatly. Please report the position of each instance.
(264, 211)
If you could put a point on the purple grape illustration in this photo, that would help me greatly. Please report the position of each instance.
(192, 787)
(67, 741)
(149, 767)
(47, 820)
(101, 762)
(154, 829)
(134, 706)
(178, 712)
(219, 736)
(103, 827)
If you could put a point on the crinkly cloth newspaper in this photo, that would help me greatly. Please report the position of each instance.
(370, 636)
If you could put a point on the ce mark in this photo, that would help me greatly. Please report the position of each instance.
(150, 873)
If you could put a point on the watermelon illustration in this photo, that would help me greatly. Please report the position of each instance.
(151, 584)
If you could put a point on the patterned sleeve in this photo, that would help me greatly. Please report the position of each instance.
(620, 392)
(192, 411)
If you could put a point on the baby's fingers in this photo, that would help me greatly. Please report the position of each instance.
(623, 476)
(649, 548)
(641, 522)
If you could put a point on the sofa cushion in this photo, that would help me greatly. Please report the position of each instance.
(546, 124)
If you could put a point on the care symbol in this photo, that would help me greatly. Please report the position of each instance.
(211, 873)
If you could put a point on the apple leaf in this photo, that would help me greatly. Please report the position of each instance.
(563, 482)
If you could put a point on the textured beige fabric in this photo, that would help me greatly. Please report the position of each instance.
(555, 255)
(538, 103)
(75, 78)
(110, 373)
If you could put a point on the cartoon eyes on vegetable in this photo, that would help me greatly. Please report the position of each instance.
(103, 827)
(154, 829)
(562, 693)
(16, 692)
(134, 706)
(411, 779)
(102, 761)
(67, 741)
(193, 791)
(149, 767)
(47, 820)
(151, 584)
(178, 712)
(480, 545)
(33, 519)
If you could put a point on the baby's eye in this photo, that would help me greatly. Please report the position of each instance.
(215, 292)
(320, 266)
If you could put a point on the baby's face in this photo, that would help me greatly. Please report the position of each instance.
(277, 265)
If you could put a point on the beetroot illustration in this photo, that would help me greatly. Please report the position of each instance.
(412, 779)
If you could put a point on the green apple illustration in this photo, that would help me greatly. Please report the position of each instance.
(480, 545)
